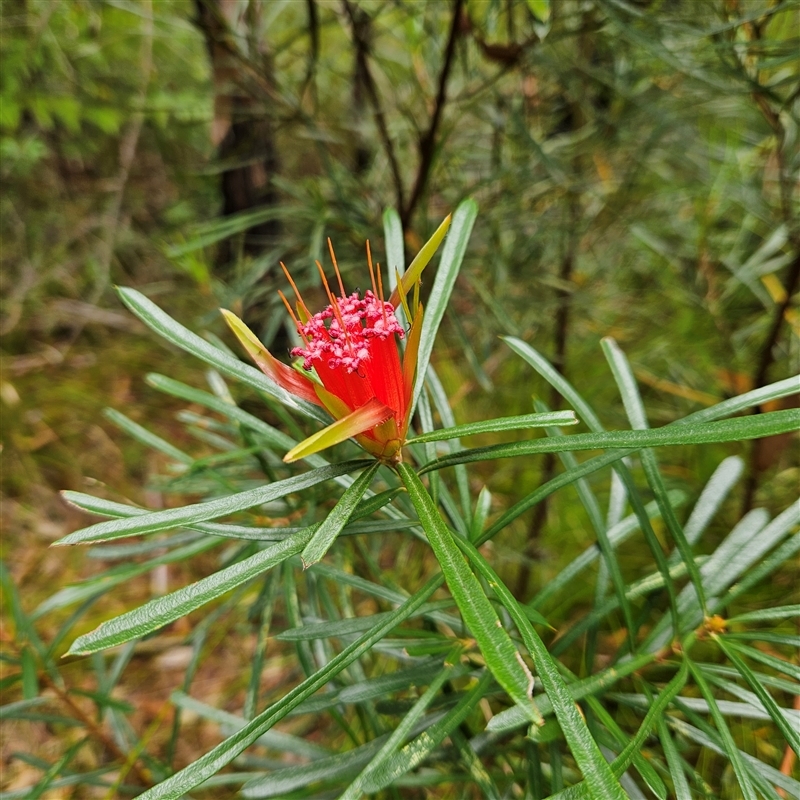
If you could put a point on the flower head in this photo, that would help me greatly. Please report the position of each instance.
(352, 364)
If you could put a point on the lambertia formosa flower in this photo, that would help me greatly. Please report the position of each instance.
(351, 362)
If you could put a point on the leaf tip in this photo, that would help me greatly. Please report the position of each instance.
(75, 650)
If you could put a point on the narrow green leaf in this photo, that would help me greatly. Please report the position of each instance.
(421, 260)
(393, 242)
(721, 673)
(600, 780)
(334, 768)
(726, 408)
(618, 534)
(610, 562)
(339, 516)
(449, 266)
(753, 577)
(729, 430)
(170, 386)
(767, 776)
(193, 775)
(146, 437)
(483, 506)
(347, 626)
(182, 337)
(415, 752)
(711, 498)
(780, 612)
(634, 408)
(404, 727)
(163, 610)
(108, 508)
(103, 583)
(625, 758)
(640, 764)
(787, 639)
(200, 512)
(522, 422)
(384, 685)
(737, 554)
(789, 730)
(502, 657)
(208, 233)
(274, 740)
(778, 664)
(30, 673)
(742, 775)
(674, 761)
(17, 709)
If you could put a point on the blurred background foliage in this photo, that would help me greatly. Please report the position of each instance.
(635, 162)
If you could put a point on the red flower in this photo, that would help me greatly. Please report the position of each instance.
(351, 356)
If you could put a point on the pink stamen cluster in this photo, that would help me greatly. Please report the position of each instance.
(342, 335)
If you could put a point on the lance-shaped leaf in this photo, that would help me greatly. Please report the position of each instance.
(163, 610)
(212, 509)
(739, 429)
(502, 657)
(452, 255)
(182, 337)
(332, 526)
(517, 423)
(365, 418)
(417, 750)
(286, 377)
(194, 774)
(599, 777)
(414, 271)
(393, 242)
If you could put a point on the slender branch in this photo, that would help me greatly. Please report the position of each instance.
(427, 145)
(361, 40)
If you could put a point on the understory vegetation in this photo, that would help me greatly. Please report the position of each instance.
(579, 575)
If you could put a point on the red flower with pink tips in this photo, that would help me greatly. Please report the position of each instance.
(351, 360)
